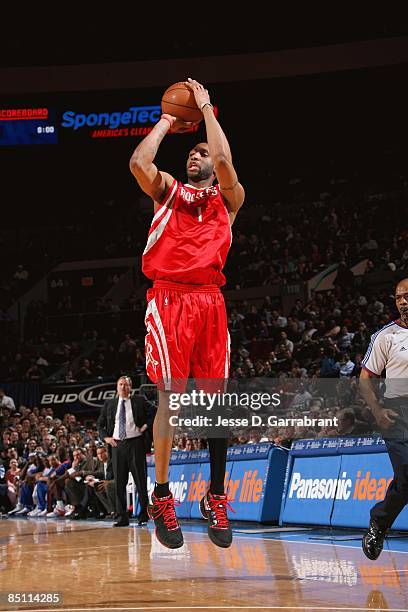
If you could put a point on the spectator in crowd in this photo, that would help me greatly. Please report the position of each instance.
(301, 399)
(6, 402)
(5, 504)
(330, 366)
(127, 352)
(179, 442)
(85, 371)
(56, 497)
(349, 425)
(345, 339)
(21, 274)
(189, 445)
(26, 482)
(346, 366)
(51, 463)
(255, 436)
(102, 485)
(344, 277)
(73, 484)
(286, 342)
(361, 338)
(12, 476)
(35, 373)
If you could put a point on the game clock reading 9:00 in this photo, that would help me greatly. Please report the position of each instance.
(27, 126)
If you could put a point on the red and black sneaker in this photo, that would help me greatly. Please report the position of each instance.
(214, 509)
(162, 512)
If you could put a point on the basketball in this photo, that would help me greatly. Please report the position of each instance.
(179, 101)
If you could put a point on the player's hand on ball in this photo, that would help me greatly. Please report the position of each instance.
(201, 94)
(182, 126)
(178, 125)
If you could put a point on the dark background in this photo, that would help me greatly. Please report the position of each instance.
(278, 128)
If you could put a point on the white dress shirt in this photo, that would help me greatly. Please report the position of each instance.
(7, 402)
(131, 430)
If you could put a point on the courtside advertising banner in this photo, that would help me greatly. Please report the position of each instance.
(338, 490)
(311, 490)
(367, 478)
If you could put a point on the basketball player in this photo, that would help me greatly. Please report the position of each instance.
(388, 350)
(186, 320)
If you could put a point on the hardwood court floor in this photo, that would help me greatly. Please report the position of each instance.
(97, 567)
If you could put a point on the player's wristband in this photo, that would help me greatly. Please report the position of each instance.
(206, 104)
(165, 118)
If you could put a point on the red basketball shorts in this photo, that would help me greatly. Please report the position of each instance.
(187, 334)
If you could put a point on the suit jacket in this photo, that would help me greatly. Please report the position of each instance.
(99, 471)
(141, 408)
(86, 466)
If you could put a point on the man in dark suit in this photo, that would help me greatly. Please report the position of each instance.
(101, 485)
(76, 490)
(121, 424)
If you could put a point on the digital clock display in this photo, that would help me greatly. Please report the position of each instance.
(27, 126)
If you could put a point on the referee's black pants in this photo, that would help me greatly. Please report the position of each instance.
(130, 456)
(396, 441)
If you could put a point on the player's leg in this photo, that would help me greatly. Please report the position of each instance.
(138, 468)
(383, 514)
(161, 509)
(163, 434)
(167, 363)
(210, 368)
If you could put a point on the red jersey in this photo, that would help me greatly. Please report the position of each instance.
(189, 237)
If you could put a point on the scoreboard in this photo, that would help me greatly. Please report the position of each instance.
(42, 125)
(27, 126)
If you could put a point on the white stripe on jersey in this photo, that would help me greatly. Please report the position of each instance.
(165, 204)
(165, 362)
(157, 232)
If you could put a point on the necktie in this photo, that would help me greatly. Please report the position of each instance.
(122, 420)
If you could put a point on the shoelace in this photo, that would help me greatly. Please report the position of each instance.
(219, 508)
(166, 509)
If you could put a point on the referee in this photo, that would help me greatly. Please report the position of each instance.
(388, 350)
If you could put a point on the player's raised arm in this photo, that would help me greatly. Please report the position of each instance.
(151, 180)
(220, 151)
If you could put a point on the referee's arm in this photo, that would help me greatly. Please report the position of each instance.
(367, 385)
